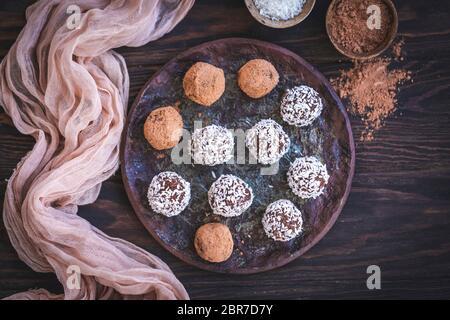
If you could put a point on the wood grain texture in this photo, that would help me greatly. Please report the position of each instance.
(398, 213)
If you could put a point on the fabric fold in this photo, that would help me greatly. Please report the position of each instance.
(62, 84)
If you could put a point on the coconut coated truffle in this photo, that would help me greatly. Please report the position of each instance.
(163, 128)
(211, 145)
(257, 78)
(204, 83)
(169, 194)
(267, 141)
(307, 177)
(300, 106)
(213, 242)
(282, 221)
(230, 196)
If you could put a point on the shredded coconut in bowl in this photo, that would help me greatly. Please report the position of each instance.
(279, 9)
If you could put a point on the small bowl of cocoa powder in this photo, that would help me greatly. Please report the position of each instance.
(361, 29)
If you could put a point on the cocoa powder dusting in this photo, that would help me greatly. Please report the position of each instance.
(371, 89)
(397, 50)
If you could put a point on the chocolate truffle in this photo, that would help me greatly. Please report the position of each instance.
(307, 177)
(204, 83)
(213, 242)
(211, 145)
(257, 78)
(267, 141)
(282, 221)
(169, 194)
(163, 128)
(230, 196)
(300, 106)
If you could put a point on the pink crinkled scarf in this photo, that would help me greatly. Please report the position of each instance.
(66, 88)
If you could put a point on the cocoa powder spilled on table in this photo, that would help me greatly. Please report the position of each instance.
(348, 25)
(397, 50)
(371, 89)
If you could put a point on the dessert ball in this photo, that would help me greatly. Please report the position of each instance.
(230, 196)
(307, 177)
(204, 83)
(169, 194)
(213, 242)
(163, 128)
(300, 106)
(267, 141)
(211, 145)
(282, 221)
(257, 78)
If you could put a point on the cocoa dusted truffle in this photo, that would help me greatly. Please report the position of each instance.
(169, 194)
(211, 145)
(213, 242)
(307, 177)
(230, 196)
(282, 221)
(204, 83)
(163, 128)
(267, 141)
(257, 78)
(300, 106)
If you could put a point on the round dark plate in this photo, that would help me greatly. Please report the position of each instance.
(329, 138)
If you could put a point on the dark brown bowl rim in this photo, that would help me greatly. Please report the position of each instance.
(334, 216)
(378, 51)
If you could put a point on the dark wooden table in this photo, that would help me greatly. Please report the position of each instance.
(398, 213)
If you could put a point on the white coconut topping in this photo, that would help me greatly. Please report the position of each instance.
(211, 145)
(279, 9)
(282, 221)
(300, 106)
(230, 196)
(169, 193)
(307, 177)
(267, 141)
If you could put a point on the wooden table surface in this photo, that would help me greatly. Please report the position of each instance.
(397, 215)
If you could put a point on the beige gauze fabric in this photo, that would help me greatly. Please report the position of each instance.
(66, 88)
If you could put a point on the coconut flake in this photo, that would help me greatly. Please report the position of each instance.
(267, 141)
(230, 196)
(307, 177)
(282, 221)
(300, 106)
(211, 145)
(168, 193)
